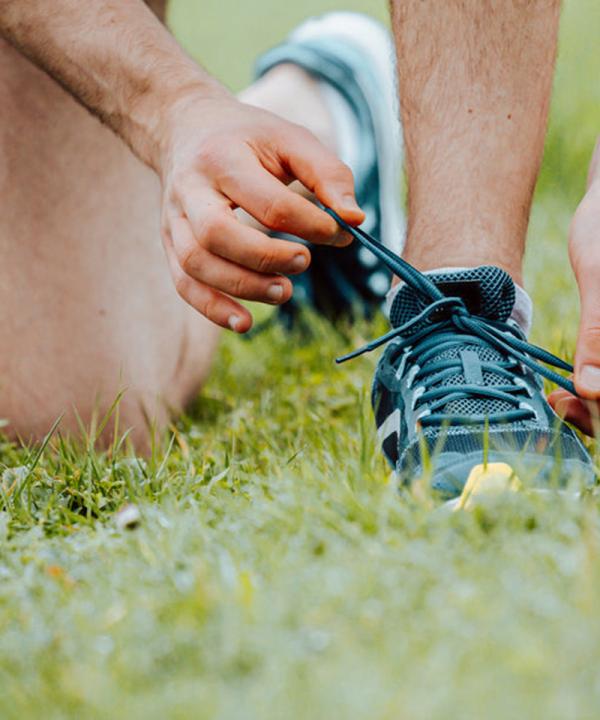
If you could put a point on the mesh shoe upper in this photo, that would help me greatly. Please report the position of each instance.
(445, 393)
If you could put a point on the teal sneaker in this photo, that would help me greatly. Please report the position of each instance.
(353, 57)
(460, 388)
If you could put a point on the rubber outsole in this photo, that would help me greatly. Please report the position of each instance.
(470, 477)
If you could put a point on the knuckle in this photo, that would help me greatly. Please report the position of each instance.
(165, 233)
(276, 213)
(588, 349)
(211, 307)
(181, 285)
(326, 229)
(188, 260)
(592, 329)
(214, 227)
(164, 221)
(204, 227)
(211, 156)
(266, 261)
(589, 338)
(239, 286)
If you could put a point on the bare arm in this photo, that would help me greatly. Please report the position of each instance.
(115, 57)
(212, 152)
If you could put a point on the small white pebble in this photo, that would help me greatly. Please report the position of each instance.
(379, 283)
(128, 517)
(366, 258)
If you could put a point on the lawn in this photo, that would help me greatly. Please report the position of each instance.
(275, 572)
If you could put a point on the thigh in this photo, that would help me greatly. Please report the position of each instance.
(87, 307)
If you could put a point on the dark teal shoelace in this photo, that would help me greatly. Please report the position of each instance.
(444, 323)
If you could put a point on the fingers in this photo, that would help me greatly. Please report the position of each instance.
(221, 233)
(574, 410)
(218, 308)
(273, 204)
(255, 250)
(220, 274)
(322, 173)
(584, 249)
(212, 255)
(587, 355)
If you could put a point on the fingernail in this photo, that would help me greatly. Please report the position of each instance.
(589, 378)
(299, 263)
(233, 321)
(275, 292)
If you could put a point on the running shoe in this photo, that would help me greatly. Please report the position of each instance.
(459, 388)
(352, 55)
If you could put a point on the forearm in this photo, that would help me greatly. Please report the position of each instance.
(213, 153)
(116, 58)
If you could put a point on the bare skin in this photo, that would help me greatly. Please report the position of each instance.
(87, 304)
(87, 307)
(475, 85)
(475, 82)
(584, 251)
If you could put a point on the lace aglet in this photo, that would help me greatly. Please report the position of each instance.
(369, 346)
(351, 355)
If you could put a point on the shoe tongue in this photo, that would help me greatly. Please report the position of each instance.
(487, 291)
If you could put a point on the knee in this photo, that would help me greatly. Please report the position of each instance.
(101, 418)
(96, 406)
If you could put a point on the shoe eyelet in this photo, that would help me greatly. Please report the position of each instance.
(410, 377)
(416, 395)
(423, 413)
(402, 364)
(521, 383)
(526, 406)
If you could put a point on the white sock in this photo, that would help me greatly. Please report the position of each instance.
(522, 312)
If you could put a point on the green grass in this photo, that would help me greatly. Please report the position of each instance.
(275, 572)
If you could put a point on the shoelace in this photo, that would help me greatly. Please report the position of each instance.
(457, 325)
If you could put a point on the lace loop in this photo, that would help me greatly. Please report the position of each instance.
(450, 315)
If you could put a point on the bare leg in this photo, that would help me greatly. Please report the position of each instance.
(87, 306)
(475, 83)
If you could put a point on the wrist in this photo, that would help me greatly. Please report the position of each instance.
(158, 111)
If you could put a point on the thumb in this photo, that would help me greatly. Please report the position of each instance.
(585, 257)
(587, 356)
(584, 249)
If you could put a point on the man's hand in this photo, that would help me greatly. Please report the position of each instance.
(584, 251)
(213, 153)
(220, 154)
